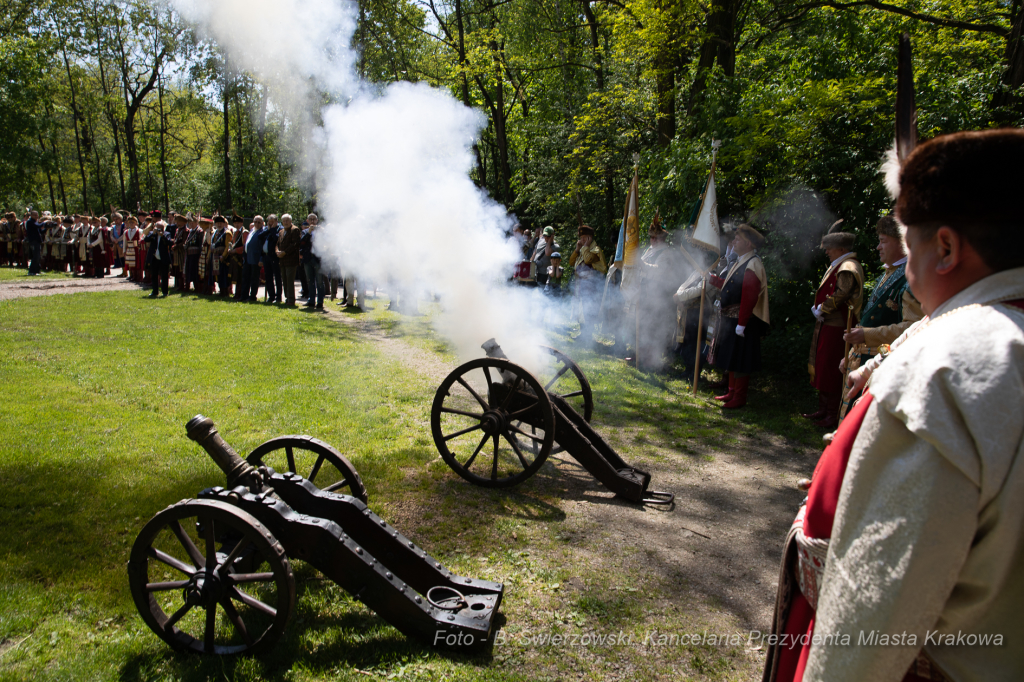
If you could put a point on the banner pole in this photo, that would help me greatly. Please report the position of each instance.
(700, 335)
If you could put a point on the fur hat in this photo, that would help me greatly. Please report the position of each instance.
(205, 220)
(964, 178)
(219, 219)
(68, 220)
(586, 229)
(751, 235)
(888, 226)
(179, 216)
(834, 239)
(235, 218)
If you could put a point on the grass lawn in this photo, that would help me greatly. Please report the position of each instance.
(95, 390)
(8, 273)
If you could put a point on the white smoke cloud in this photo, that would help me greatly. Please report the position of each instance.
(397, 203)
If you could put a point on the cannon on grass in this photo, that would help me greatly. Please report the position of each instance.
(495, 423)
(213, 574)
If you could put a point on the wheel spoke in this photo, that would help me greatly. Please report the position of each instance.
(462, 432)
(316, 468)
(236, 619)
(472, 392)
(291, 459)
(164, 587)
(211, 545)
(512, 442)
(335, 486)
(165, 558)
(253, 602)
(524, 433)
(211, 628)
(452, 410)
(186, 542)
(515, 385)
(571, 395)
(176, 616)
(519, 413)
(480, 447)
(241, 545)
(490, 382)
(239, 578)
(494, 466)
(565, 368)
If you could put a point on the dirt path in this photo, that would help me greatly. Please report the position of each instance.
(29, 287)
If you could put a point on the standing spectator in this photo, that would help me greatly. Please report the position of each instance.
(271, 263)
(542, 253)
(116, 233)
(311, 262)
(288, 255)
(220, 241)
(34, 240)
(134, 250)
(253, 256)
(588, 261)
(158, 260)
(237, 257)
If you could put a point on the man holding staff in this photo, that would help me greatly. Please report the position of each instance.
(742, 317)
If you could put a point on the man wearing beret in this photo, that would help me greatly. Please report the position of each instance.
(839, 299)
(907, 561)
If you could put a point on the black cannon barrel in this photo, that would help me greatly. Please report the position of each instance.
(203, 431)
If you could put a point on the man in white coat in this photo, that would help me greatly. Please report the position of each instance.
(924, 576)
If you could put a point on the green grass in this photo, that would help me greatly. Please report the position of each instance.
(8, 273)
(95, 390)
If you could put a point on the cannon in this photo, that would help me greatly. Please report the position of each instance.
(495, 423)
(213, 574)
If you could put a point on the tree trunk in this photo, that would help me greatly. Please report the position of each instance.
(109, 110)
(96, 158)
(163, 141)
(227, 146)
(60, 176)
(480, 171)
(74, 119)
(1009, 96)
(719, 47)
(665, 78)
(263, 116)
(595, 43)
(49, 178)
(241, 180)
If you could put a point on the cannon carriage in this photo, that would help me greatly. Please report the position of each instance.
(214, 575)
(495, 423)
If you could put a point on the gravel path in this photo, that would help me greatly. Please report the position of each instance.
(27, 287)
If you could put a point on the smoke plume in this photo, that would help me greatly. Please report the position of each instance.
(398, 207)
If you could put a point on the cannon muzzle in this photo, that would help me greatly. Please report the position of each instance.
(239, 472)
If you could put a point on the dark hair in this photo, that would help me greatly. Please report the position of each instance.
(971, 182)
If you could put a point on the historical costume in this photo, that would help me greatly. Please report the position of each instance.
(5, 239)
(587, 260)
(206, 279)
(194, 237)
(236, 259)
(907, 562)
(96, 250)
(837, 302)
(742, 317)
(219, 242)
(134, 250)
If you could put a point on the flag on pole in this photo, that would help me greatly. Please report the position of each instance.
(706, 231)
(629, 242)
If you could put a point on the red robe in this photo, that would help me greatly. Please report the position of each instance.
(831, 347)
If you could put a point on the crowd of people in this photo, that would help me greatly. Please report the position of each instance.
(207, 255)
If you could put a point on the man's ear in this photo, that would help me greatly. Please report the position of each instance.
(950, 245)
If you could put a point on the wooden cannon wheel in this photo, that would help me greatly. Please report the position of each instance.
(306, 457)
(477, 420)
(564, 378)
(232, 596)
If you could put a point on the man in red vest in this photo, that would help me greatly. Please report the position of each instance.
(839, 298)
(907, 561)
